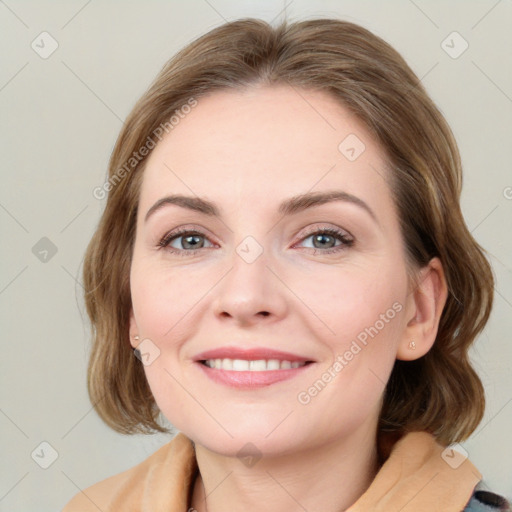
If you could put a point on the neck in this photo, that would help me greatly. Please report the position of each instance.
(329, 476)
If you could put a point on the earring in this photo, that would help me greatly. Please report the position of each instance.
(412, 345)
(135, 350)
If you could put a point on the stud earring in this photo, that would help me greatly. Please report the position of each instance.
(135, 350)
(412, 345)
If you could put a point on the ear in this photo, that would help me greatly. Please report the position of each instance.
(424, 307)
(133, 330)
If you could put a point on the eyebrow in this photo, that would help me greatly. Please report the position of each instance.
(290, 206)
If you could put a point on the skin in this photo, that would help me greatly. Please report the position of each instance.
(247, 151)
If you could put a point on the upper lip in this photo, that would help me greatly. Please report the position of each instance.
(249, 354)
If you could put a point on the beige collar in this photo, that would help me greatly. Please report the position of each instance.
(418, 475)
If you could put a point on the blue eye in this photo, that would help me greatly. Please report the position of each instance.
(322, 236)
(191, 241)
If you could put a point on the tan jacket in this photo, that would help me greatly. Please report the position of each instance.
(418, 475)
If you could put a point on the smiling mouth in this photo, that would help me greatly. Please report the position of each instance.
(258, 365)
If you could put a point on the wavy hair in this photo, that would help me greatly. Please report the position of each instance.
(440, 392)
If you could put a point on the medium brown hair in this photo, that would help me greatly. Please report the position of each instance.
(439, 392)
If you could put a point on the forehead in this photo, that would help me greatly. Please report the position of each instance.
(262, 142)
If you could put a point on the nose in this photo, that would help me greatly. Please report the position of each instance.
(251, 292)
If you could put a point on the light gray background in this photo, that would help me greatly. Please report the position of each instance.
(60, 117)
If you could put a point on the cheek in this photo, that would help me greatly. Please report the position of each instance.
(164, 303)
(352, 300)
(363, 317)
(162, 298)
(160, 306)
(363, 310)
(348, 388)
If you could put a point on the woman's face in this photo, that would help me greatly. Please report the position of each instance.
(257, 275)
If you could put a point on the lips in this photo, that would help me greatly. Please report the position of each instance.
(247, 368)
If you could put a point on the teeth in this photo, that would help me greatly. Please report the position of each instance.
(238, 365)
(260, 365)
(273, 364)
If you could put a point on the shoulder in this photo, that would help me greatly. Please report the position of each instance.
(127, 490)
(486, 501)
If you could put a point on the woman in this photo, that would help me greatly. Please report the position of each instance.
(283, 271)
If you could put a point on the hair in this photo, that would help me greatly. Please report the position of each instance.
(439, 392)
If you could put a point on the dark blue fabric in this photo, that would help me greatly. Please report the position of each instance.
(486, 501)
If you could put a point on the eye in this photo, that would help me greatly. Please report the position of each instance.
(190, 244)
(324, 240)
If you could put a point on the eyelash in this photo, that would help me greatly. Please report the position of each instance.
(341, 235)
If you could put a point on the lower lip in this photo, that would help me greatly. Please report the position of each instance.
(249, 380)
